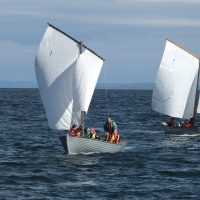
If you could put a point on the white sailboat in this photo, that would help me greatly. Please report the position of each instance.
(175, 92)
(67, 72)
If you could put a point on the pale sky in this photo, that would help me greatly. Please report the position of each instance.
(129, 34)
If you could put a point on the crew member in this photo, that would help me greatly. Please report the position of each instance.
(109, 127)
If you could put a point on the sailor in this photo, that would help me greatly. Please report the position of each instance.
(74, 131)
(115, 137)
(78, 133)
(88, 133)
(109, 127)
(170, 122)
(93, 134)
(107, 137)
(190, 123)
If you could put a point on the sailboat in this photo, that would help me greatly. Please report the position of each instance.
(67, 72)
(175, 92)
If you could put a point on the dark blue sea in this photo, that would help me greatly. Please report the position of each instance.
(33, 164)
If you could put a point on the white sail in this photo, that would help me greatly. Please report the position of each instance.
(191, 99)
(87, 71)
(175, 85)
(198, 107)
(86, 74)
(58, 70)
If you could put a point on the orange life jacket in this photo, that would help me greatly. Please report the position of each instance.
(78, 134)
(107, 138)
(189, 123)
(74, 133)
(115, 138)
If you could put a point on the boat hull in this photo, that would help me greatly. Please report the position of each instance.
(80, 145)
(181, 130)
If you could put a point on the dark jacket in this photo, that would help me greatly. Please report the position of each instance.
(113, 126)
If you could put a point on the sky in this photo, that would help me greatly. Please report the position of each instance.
(129, 34)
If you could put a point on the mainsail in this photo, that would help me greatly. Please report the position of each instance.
(175, 86)
(66, 78)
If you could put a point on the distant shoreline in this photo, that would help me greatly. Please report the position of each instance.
(18, 84)
(118, 86)
(102, 86)
(126, 86)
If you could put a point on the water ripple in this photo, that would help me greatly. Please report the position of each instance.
(153, 165)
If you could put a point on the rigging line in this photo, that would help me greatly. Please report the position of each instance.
(96, 116)
(106, 90)
(158, 115)
(95, 110)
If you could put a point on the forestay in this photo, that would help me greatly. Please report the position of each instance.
(175, 85)
(66, 80)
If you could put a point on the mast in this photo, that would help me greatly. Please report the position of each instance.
(82, 112)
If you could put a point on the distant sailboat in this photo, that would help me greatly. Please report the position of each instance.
(175, 91)
(67, 72)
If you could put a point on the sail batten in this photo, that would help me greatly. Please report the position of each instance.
(66, 79)
(175, 85)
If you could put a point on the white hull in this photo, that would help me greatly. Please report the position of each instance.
(181, 130)
(79, 145)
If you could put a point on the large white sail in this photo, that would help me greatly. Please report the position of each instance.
(175, 85)
(58, 70)
(86, 74)
(198, 107)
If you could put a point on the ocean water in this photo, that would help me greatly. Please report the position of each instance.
(33, 164)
